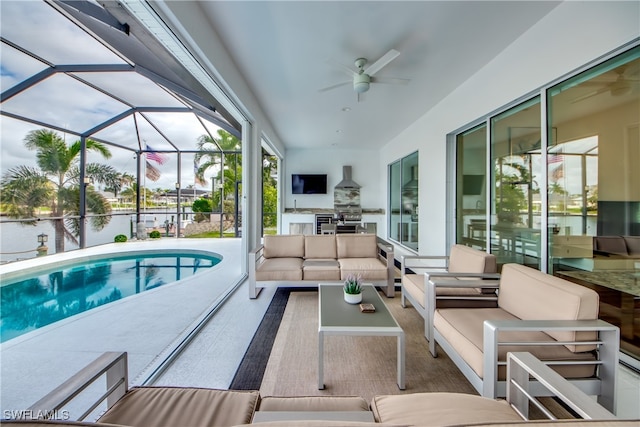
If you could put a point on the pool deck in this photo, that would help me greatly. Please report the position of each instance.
(148, 326)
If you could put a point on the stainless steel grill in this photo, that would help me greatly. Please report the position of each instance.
(350, 213)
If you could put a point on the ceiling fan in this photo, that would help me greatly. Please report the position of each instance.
(622, 85)
(363, 76)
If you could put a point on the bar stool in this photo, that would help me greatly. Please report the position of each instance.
(327, 229)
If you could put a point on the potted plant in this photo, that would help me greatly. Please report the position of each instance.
(353, 289)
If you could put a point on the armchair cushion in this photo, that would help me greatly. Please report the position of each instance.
(547, 298)
(463, 329)
(464, 259)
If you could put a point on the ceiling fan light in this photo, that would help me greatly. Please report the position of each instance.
(361, 87)
(361, 82)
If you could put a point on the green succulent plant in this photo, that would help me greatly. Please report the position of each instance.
(155, 234)
(120, 238)
(353, 284)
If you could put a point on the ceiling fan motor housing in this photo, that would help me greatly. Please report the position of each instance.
(361, 82)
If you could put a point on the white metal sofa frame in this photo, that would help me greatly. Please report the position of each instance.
(608, 344)
(522, 368)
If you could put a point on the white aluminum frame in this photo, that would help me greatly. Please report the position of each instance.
(360, 331)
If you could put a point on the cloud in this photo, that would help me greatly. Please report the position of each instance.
(63, 101)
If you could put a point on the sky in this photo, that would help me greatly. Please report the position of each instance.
(67, 103)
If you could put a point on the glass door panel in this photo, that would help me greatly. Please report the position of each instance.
(471, 188)
(594, 188)
(515, 159)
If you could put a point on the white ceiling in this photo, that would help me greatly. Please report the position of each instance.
(282, 48)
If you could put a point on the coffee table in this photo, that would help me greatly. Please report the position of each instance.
(336, 317)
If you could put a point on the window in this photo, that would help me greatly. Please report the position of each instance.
(403, 201)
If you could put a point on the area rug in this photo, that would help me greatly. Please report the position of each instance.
(362, 366)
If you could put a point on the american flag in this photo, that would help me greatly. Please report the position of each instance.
(155, 156)
(555, 158)
(152, 172)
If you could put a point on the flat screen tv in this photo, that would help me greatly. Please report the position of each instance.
(472, 185)
(308, 184)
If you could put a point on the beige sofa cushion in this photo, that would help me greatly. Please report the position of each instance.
(464, 259)
(280, 269)
(464, 330)
(633, 246)
(322, 246)
(530, 294)
(313, 403)
(283, 246)
(368, 268)
(176, 406)
(610, 244)
(440, 409)
(321, 269)
(357, 245)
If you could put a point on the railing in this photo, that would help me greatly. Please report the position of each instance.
(111, 365)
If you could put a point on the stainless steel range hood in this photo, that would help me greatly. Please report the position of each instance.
(347, 182)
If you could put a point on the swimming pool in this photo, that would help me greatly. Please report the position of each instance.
(38, 297)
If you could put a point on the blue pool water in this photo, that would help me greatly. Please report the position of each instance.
(35, 300)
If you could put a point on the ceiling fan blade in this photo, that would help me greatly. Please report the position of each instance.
(334, 86)
(390, 80)
(386, 58)
(590, 94)
(341, 67)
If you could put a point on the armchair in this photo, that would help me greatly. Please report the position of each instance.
(554, 319)
(463, 263)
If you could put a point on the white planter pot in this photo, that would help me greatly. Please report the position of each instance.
(353, 298)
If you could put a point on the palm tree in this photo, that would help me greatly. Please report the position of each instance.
(123, 180)
(56, 184)
(209, 156)
(209, 153)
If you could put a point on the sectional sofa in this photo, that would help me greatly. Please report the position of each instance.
(194, 407)
(306, 260)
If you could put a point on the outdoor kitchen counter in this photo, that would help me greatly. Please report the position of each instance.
(365, 211)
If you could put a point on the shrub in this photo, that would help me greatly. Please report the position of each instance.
(120, 238)
(155, 234)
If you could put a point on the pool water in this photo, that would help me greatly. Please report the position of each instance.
(31, 302)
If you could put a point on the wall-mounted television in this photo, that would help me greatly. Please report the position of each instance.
(308, 183)
(472, 185)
